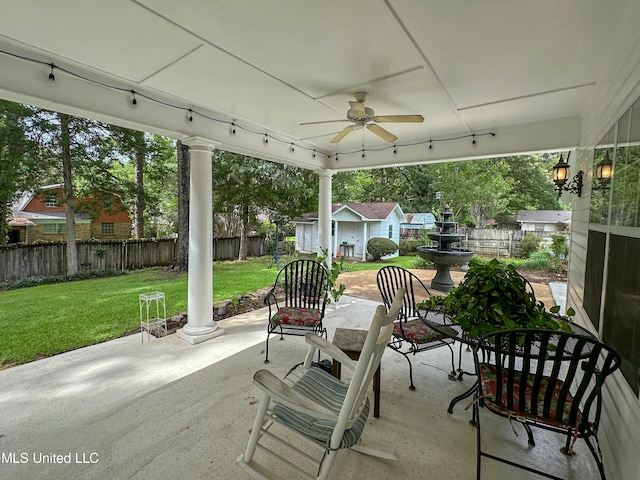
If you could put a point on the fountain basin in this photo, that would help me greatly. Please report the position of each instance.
(444, 260)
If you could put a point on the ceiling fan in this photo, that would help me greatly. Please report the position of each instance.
(362, 117)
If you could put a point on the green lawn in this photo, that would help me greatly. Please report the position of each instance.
(50, 319)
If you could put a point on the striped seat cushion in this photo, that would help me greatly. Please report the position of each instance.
(329, 392)
(307, 317)
(487, 377)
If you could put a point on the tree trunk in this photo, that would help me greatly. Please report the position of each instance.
(242, 254)
(5, 210)
(182, 251)
(69, 210)
(139, 206)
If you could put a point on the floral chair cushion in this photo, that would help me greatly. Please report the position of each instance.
(302, 317)
(487, 379)
(415, 331)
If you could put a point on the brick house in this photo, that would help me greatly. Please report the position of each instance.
(39, 216)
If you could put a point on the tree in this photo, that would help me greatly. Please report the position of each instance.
(244, 187)
(473, 189)
(182, 250)
(73, 148)
(145, 167)
(69, 210)
(532, 187)
(476, 190)
(19, 166)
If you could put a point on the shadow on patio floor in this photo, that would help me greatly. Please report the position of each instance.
(166, 410)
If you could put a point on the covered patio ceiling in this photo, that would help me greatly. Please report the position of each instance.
(246, 73)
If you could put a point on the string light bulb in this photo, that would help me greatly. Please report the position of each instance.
(232, 125)
(52, 77)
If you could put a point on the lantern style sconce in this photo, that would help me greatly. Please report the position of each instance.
(604, 170)
(561, 174)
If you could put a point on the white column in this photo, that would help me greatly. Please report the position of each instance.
(200, 324)
(364, 237)
(324, 214)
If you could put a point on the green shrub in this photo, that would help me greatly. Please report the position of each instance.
(494, 296)
(529, 244)
(559, 245)
(36, 281)
(422, 264)
(410, 246)
(379, 247)
(544, 261)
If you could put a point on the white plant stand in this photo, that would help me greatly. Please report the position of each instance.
(150, 323)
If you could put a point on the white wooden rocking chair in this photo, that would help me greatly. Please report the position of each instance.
(317, 407)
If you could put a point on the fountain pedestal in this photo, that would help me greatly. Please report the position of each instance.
(444, 256)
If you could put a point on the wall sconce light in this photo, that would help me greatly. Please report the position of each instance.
(604, 172)
(561, 174)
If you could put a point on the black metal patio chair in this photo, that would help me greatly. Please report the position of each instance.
(409, 329)
(300, 308)
(546, 379)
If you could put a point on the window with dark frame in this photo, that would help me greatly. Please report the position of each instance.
(108, 228)
(50, 200)
(613, 245)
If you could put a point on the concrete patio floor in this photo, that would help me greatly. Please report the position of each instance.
(165, 409)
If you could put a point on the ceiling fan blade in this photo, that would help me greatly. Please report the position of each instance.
(325, 121)
(381, 132)
(342, 134)
(358, 108)
(399, 118)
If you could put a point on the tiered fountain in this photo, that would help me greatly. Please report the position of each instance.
(444, 256)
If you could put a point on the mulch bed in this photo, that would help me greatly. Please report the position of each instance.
(246, 303)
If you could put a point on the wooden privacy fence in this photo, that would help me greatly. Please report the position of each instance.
(498, 242)
(18, 262)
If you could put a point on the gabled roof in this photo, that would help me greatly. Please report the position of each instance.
(544, 216)
(368, 211)
(21, 218)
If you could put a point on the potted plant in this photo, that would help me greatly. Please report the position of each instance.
(494, 296)
(336, 291)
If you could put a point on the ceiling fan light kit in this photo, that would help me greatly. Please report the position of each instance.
(362, 116)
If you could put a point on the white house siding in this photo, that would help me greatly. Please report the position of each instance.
(541, 227)
(350, 227)
(619, 433)
(351, 233)
(381, 230)
(307, 237)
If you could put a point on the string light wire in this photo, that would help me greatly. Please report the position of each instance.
(232, 124)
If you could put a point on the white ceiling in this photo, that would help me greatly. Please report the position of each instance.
(523, 70)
